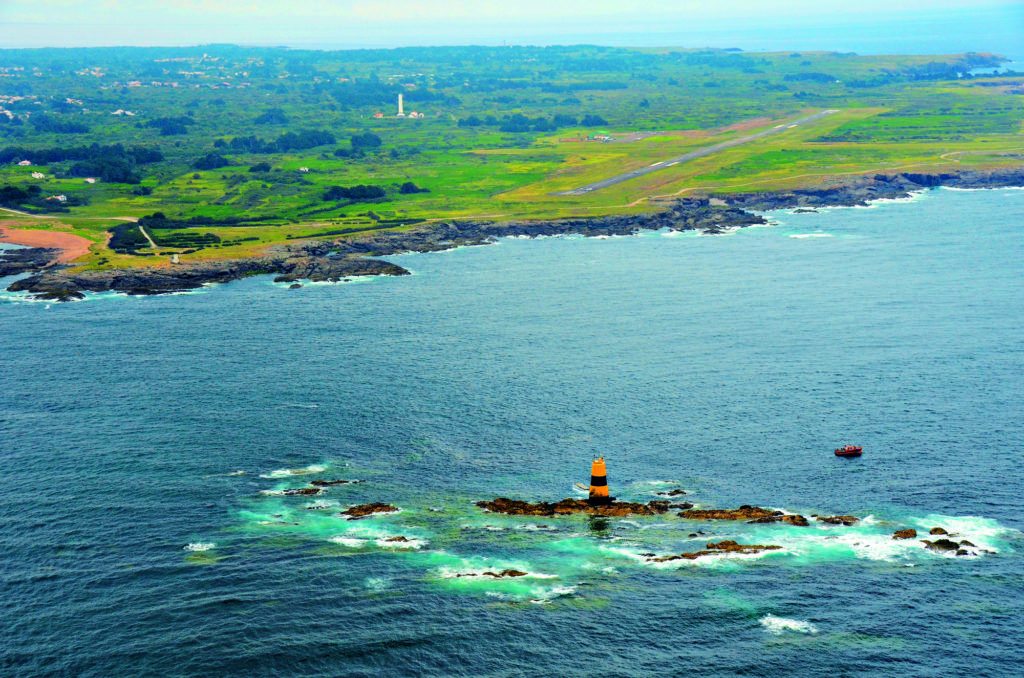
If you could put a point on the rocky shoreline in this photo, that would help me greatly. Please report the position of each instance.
(357, 256)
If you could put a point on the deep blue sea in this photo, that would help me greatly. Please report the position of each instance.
(147, 443)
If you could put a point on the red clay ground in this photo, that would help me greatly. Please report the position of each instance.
(71, 246)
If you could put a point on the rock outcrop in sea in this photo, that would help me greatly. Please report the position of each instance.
(363, 510)
(713, 549)
(516, 507)
(752, 514)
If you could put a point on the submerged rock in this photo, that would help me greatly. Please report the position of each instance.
(941, 545)
(496, 575)
(672, 493)
(397, 539)
(363, 510)
(713, 549)
(937, 530)
(301, 491)
(838, 520)
(908, 533)
(328, 483)
(516, 507)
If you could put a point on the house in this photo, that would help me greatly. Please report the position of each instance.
(90, 180)
(59, 198)
(25, 163)
(38, 175)
(304, 170)
(378, 115)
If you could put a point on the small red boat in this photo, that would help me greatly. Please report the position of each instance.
(849, 451)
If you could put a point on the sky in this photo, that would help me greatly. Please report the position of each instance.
(903, 26)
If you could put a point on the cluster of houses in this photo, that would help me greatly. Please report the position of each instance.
(40, 175)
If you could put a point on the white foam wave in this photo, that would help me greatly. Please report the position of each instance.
(537, 528)
(377, 584)
(779, 625)
(199, 546)
(552, 594)
(984, 533)
(389, 543)
(812, 235)
(286, 472)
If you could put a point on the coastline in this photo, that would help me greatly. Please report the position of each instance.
(334, 260)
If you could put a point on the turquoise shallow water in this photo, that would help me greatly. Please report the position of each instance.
(147, 443)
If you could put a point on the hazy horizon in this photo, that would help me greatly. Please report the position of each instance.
(871, 26)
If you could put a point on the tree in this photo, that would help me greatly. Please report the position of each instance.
(272, 116)
(366, 140)
(211, 161)
(409, 187)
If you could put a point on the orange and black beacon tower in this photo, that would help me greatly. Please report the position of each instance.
(598, 483)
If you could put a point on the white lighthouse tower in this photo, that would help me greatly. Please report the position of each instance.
(401, 110)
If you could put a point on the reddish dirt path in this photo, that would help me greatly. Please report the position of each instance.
(71, 246)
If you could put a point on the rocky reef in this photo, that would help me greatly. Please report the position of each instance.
(752, 514)
(837, 520)
(24, 260)
(302, 491)
(497, 575)
(307, 261)
(363, 510)
(713, 549)
(516, 507)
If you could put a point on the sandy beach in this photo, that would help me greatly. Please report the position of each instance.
(71, 246)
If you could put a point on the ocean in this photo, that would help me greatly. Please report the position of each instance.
(148, 446)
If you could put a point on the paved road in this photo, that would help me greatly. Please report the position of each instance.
(664, 164)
